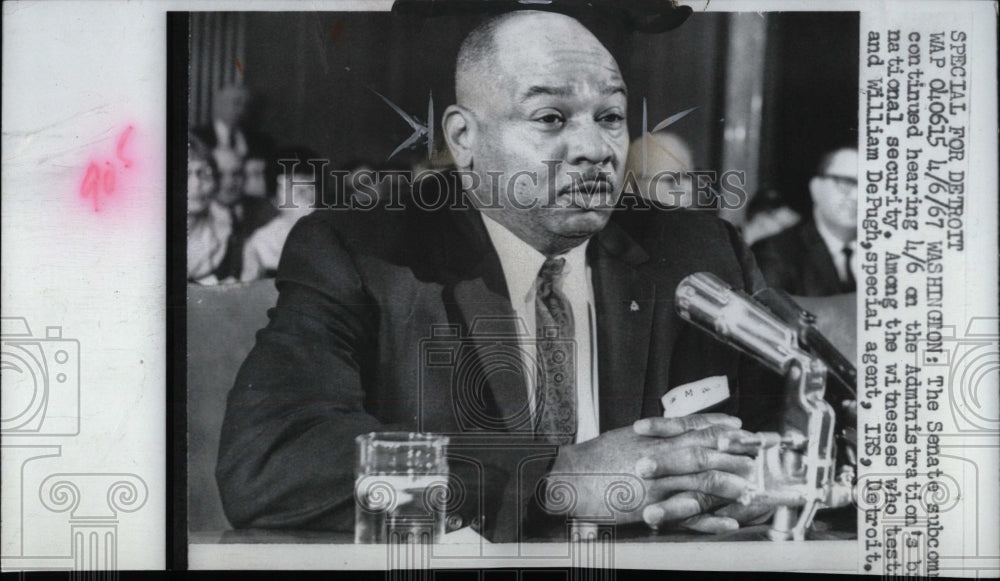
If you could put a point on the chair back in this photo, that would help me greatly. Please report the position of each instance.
(222, 322)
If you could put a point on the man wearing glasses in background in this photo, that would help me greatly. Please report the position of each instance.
(818, 256)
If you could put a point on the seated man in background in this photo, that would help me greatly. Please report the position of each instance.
(295, 196)
(246, 213)
(539, 258)
(816, 257)
(255, 184)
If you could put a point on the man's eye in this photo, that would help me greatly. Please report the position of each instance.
(612, 118)
(550, 119)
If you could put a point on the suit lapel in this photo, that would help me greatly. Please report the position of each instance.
(481, 305)
(493, 333)
(824, 275)
(625, 304)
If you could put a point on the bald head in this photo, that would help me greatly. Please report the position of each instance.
(498, 47)
(476, 57)
(660, 151)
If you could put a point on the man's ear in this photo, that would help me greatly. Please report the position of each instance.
(815, 187)
(459, 133)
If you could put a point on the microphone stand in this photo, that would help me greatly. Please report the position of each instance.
(796, 469)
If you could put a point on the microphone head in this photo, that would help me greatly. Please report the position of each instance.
(736, 319)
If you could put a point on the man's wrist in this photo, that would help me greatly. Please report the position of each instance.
(542, 516)
(552, 487)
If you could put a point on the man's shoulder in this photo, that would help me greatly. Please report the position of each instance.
(793, 239)
(276, 229)
(680, 242)
(666, 231)
(370, 231)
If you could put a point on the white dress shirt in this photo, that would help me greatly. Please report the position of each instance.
(207, 237)
(835, 246)
(521, 263)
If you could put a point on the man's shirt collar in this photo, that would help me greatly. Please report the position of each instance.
(521, 261)
(834, 245)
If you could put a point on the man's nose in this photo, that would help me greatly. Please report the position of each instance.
(588, 143)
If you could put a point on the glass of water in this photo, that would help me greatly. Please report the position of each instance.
(401, 487)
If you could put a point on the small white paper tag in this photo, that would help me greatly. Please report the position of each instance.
(695, 396)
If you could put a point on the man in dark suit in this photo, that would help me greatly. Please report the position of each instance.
(524, 260)
(816, 257)
(246, 213)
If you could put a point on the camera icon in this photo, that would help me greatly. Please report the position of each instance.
(967, 368)
(41, 381)
(497, 354)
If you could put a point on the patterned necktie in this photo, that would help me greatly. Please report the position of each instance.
(556, 385)
(848, 285)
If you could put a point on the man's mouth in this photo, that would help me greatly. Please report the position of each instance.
(587, 195)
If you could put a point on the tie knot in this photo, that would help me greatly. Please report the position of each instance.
(846, 251)
(552, 269)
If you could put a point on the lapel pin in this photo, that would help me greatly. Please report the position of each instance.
(634, 307)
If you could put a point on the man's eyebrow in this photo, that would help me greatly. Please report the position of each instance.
(563, 91)
(612, 89)
(537, 90)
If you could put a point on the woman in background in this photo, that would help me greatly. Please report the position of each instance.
(208, 223)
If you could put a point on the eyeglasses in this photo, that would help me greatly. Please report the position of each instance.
(843, 184)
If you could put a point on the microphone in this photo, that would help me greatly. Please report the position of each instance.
(779, 336)
(795, 467)
(769, 326)
(842, 371)
(736, 319)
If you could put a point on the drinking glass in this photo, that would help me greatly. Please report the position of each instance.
(401, 487)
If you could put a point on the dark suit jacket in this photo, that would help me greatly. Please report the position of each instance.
(797, 261)
(256, 213)
(361, 294)
(259, 145)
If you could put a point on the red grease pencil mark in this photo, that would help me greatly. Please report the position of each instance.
(120, 147)
(239, 66)
(101, 177)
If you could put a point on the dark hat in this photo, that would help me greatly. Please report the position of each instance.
(650, 16)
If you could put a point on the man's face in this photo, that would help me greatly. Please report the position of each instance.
(835, 193)
(200, 185)
(255, 180)
(554, 131)
(230, 177)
